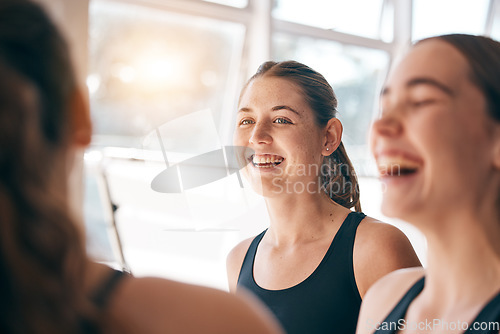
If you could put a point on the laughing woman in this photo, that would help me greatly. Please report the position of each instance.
(441, 117)
(314, 263)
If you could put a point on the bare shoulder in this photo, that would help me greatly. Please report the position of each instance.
(371, 229)
(235, 260)
(383, 296)
(237, 254)
(384, 243)
(379, 249)
(390, 289)
(154, 305)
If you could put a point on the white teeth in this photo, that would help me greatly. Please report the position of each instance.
(266, 159)
(396, 165)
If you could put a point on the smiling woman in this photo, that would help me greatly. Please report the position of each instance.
(313, 264)
(298, 122)
(440, 122)
(436, 99)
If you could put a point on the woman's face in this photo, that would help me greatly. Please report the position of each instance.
(277, 124)
(433, 141)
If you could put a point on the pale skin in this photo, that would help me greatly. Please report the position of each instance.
(274, 119)
(434, 119)
(154, 305)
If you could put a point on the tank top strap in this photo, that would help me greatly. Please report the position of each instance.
(100, 298)
(344, 240)
(103, 294)
(390, 324)
(342, 249)
(347, 230)
(247, 266)
(488, 320)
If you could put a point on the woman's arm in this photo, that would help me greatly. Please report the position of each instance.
(153, 305)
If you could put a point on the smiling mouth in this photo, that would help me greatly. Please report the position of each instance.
(397, 166)
(266, 160)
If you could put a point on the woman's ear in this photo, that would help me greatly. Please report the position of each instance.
(333, 136)
(81, 125)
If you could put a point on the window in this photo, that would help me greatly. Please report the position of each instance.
(234, 3)
(148, 67)
(495, 24)
(432, 18)
(367, 18)
(164, 78)
(161, 86)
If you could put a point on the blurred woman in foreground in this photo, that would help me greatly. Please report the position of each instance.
(47, 284)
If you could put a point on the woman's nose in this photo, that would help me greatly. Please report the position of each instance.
(388, 125)
(260, 135)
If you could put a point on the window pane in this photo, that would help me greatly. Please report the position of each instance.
(431, 18)
(161, 88)
(357, 17)
(147, 67)
(233, 3)
(355, 74)
(495, 30)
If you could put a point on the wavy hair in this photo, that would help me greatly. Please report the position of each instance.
(338, 177)
(42, 253)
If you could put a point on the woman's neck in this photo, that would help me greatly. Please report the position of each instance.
(302, 217)
(463, 260)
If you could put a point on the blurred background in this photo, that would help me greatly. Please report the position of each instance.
(163, 78)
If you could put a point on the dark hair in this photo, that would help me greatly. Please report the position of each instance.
(338, 176)
(483, 55)
(42, 254)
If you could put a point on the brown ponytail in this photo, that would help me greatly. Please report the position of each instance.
(339, 179)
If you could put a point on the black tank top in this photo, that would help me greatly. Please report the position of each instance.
(101, 297)
(327, 301)
(104, 292)
(486, 322)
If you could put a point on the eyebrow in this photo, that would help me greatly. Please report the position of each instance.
(275, 108)
(423, 81)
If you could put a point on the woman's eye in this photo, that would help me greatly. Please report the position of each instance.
(246, 122)
(423, 103)
(282, 121)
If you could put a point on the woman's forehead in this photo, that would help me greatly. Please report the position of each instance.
(434, 59)
(274, 88)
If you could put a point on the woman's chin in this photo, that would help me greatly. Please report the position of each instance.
(267, 191)
(397, 209)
